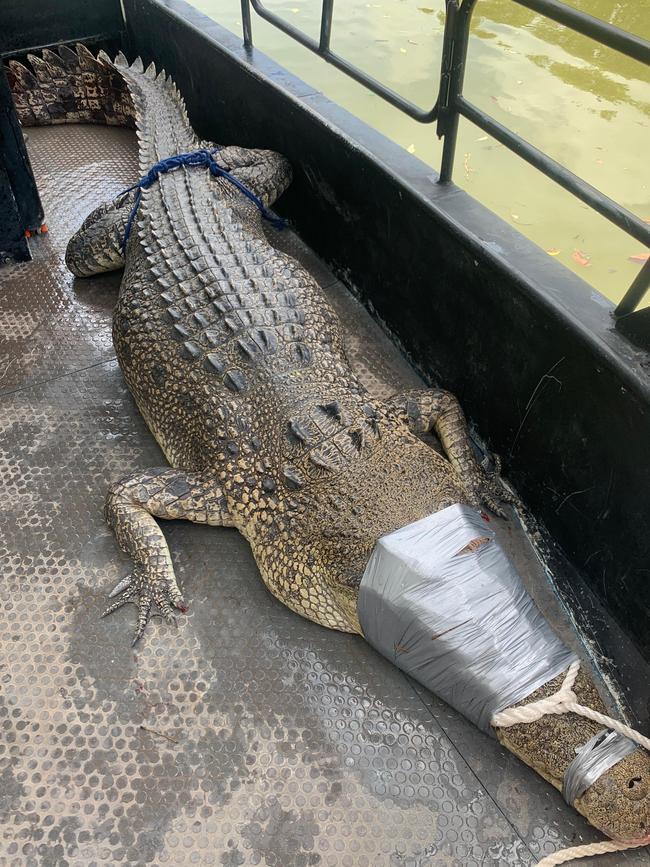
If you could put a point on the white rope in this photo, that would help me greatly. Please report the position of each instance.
(586, 851)
(566, 701)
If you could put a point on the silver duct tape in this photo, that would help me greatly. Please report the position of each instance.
(598, 755)
(441, 600)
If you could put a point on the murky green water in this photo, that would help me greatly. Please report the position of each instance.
(585, 105)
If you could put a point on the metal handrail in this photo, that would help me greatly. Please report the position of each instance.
(451, 103)
(322, 48)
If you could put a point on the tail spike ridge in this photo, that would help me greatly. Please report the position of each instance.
(53, 59)
(69, 58)
(41, 68)
(121, 60)
(87, 60)
(150, 71)
(70, 87)
(24, 76)
(137, 65)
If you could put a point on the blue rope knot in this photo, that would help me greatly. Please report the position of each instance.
(201, 157)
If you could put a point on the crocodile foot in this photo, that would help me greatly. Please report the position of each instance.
(145, 592)
(486, 488)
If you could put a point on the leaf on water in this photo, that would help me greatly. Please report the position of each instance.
(553, 251)
(426, 9)
(515, 216)
(581, 258)
(482, 138)
(402, 50)
(295, 10)
(600, 163)
(639, 257)
(412, 42)
(646, 219)
(411, 148)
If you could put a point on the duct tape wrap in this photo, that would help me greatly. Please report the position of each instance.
(441, 600)
(598, 755)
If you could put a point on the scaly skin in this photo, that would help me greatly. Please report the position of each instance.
(235, 360)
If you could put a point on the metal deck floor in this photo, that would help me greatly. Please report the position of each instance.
(248, 736)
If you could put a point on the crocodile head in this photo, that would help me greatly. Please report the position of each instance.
(618, 803)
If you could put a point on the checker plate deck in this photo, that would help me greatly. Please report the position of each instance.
(248, 736)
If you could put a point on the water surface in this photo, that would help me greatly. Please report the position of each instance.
(586, 106)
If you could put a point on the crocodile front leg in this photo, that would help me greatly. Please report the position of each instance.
(131, 505)
(435, 409)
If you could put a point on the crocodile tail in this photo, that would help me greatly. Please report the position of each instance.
(160, 116)
(70, 87)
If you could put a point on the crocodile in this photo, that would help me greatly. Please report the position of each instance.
(235, 360)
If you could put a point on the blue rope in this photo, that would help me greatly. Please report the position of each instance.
(201, 157)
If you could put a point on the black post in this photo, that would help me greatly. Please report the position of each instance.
(326, 24)
(20, 205)
(635, 293)
(453, 72)
(246, 23)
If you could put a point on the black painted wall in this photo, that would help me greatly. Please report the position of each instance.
(526, 345)
(27, 24)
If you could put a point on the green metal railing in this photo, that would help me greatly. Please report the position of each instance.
(451, 104)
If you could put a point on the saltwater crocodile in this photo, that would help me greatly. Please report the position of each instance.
(235, 359)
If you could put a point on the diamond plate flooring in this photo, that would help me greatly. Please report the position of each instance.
(247, 736)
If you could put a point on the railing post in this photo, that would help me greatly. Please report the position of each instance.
(246, 23)
(326, 25)
(454, 53)
(635, 293)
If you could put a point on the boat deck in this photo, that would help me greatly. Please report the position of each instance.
(248, 735)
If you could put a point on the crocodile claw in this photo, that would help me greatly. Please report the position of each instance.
(488, 489)
(144, 593)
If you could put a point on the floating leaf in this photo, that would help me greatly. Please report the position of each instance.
(553, 251)
(515, 216)
(426, 9)
(640, 258)
(600, 163)
(581, 258)
(482, 138)
(295, 10)
(412, 42)
(402, 50)
(646, 219)
(411, 148)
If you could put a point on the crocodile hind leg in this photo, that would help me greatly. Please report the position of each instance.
(131, 505)
(265, 173)
(435, 409)
(98, 246)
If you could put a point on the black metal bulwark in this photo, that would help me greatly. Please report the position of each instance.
(451, 103)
